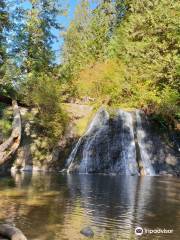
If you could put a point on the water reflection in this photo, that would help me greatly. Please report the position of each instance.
(58, 206)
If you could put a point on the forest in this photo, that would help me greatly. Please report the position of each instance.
(89, 119)
(116, 53)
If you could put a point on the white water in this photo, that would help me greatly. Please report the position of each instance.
(100, 119)
(128, 157)
(143, 146)
(109, 146)
(73, 153)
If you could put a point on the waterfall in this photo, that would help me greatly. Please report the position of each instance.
(108, 146)
(100, 119)
(73, 153)
(126, 138)
(85, 164)
(124, 143)
(144, 144)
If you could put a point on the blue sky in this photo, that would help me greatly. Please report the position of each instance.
(65, 20)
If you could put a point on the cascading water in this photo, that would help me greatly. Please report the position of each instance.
(123, 143)
(81, 149)
(126, 138)
(73, 153)
(107, 147)
(144, 145)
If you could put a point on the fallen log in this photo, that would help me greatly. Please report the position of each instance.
(9, 147)
(11, 232)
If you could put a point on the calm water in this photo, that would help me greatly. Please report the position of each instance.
(48, 207)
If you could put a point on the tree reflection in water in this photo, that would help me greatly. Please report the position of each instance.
(49, 206)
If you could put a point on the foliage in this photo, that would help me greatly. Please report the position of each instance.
(103, 81)
(39, 86)
(118, 52)
(87, 37)
(41, 19)
(132, 59)
(51, 120)
(151, 57)
(5, 121)
(30, 70)
(4, 26)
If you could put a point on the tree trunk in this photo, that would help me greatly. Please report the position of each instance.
(9, 147)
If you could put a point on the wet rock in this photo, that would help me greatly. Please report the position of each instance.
(162, 173)
(11, 232)
(87, 232)
(107, 146)
(125, 143)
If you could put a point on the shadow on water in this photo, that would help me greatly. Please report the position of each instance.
(58, 206)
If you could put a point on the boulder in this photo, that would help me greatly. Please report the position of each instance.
(11, 232)
(87, 232)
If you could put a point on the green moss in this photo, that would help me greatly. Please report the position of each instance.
(82, 123)
(80, 115)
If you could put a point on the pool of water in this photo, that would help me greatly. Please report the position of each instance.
(57, 207)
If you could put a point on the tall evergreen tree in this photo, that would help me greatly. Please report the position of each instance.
(4, 25)
(88, 35)
(40, 88)
(42, 18)
(75, 39)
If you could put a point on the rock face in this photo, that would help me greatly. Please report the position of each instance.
(125, 143)
(34, 153)
(156, 152)
(122, 142)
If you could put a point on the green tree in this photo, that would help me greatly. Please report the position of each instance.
(147, 41)
(4, 26)
(75, 39)
(39, 84)
(51, 119)
(42, 18)
(88, 35)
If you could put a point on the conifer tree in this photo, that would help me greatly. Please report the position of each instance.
(147, 41)
(4, 25)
